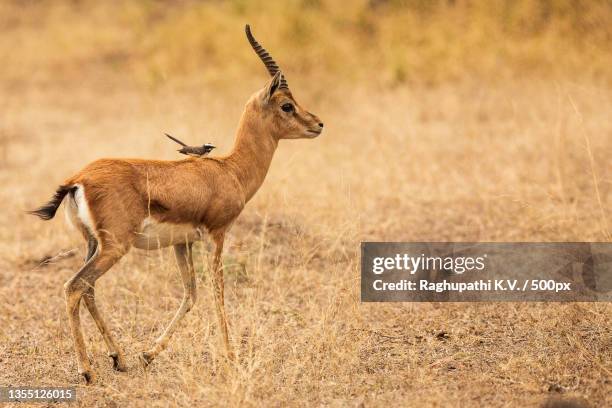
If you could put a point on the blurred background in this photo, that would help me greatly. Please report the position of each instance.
(381, 42)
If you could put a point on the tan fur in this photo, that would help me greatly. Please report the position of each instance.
(208, 193)
(124, 196)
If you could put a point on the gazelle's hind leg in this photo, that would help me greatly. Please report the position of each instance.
(185, 265)
(90, 302)
(92, 246)
(113, 350)
(74, 289)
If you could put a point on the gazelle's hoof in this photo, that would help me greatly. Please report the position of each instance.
(87, 376)
(146, 359)
(118, 362)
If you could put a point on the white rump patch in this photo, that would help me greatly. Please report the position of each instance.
(77, 211)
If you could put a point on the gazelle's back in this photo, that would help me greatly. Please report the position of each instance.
(171, 195)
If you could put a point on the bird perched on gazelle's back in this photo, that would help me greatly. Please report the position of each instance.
(195, 151)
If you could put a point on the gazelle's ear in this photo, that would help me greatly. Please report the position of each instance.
(272, 86)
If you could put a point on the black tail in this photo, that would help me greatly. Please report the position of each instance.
(47, 211)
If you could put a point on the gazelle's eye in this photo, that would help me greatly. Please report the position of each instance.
(287, 107)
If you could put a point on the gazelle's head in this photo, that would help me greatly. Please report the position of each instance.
(275, 105)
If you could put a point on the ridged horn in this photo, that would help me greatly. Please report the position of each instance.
(265, 57)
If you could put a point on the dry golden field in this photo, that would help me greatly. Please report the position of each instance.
(465, 156)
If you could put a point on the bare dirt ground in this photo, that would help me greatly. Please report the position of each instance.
(505, 162)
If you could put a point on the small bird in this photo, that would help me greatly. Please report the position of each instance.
(195, 151)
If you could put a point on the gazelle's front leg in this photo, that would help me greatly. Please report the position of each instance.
(217, 285)
(185, 264)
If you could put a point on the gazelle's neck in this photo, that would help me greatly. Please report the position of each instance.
(252, 154)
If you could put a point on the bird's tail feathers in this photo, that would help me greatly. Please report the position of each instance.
(175, 139)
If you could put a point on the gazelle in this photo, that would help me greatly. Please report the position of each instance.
(148, 204)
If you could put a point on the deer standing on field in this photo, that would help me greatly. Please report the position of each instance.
(149, 204)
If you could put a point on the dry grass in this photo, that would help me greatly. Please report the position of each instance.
(457, 163)
(467, 161)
